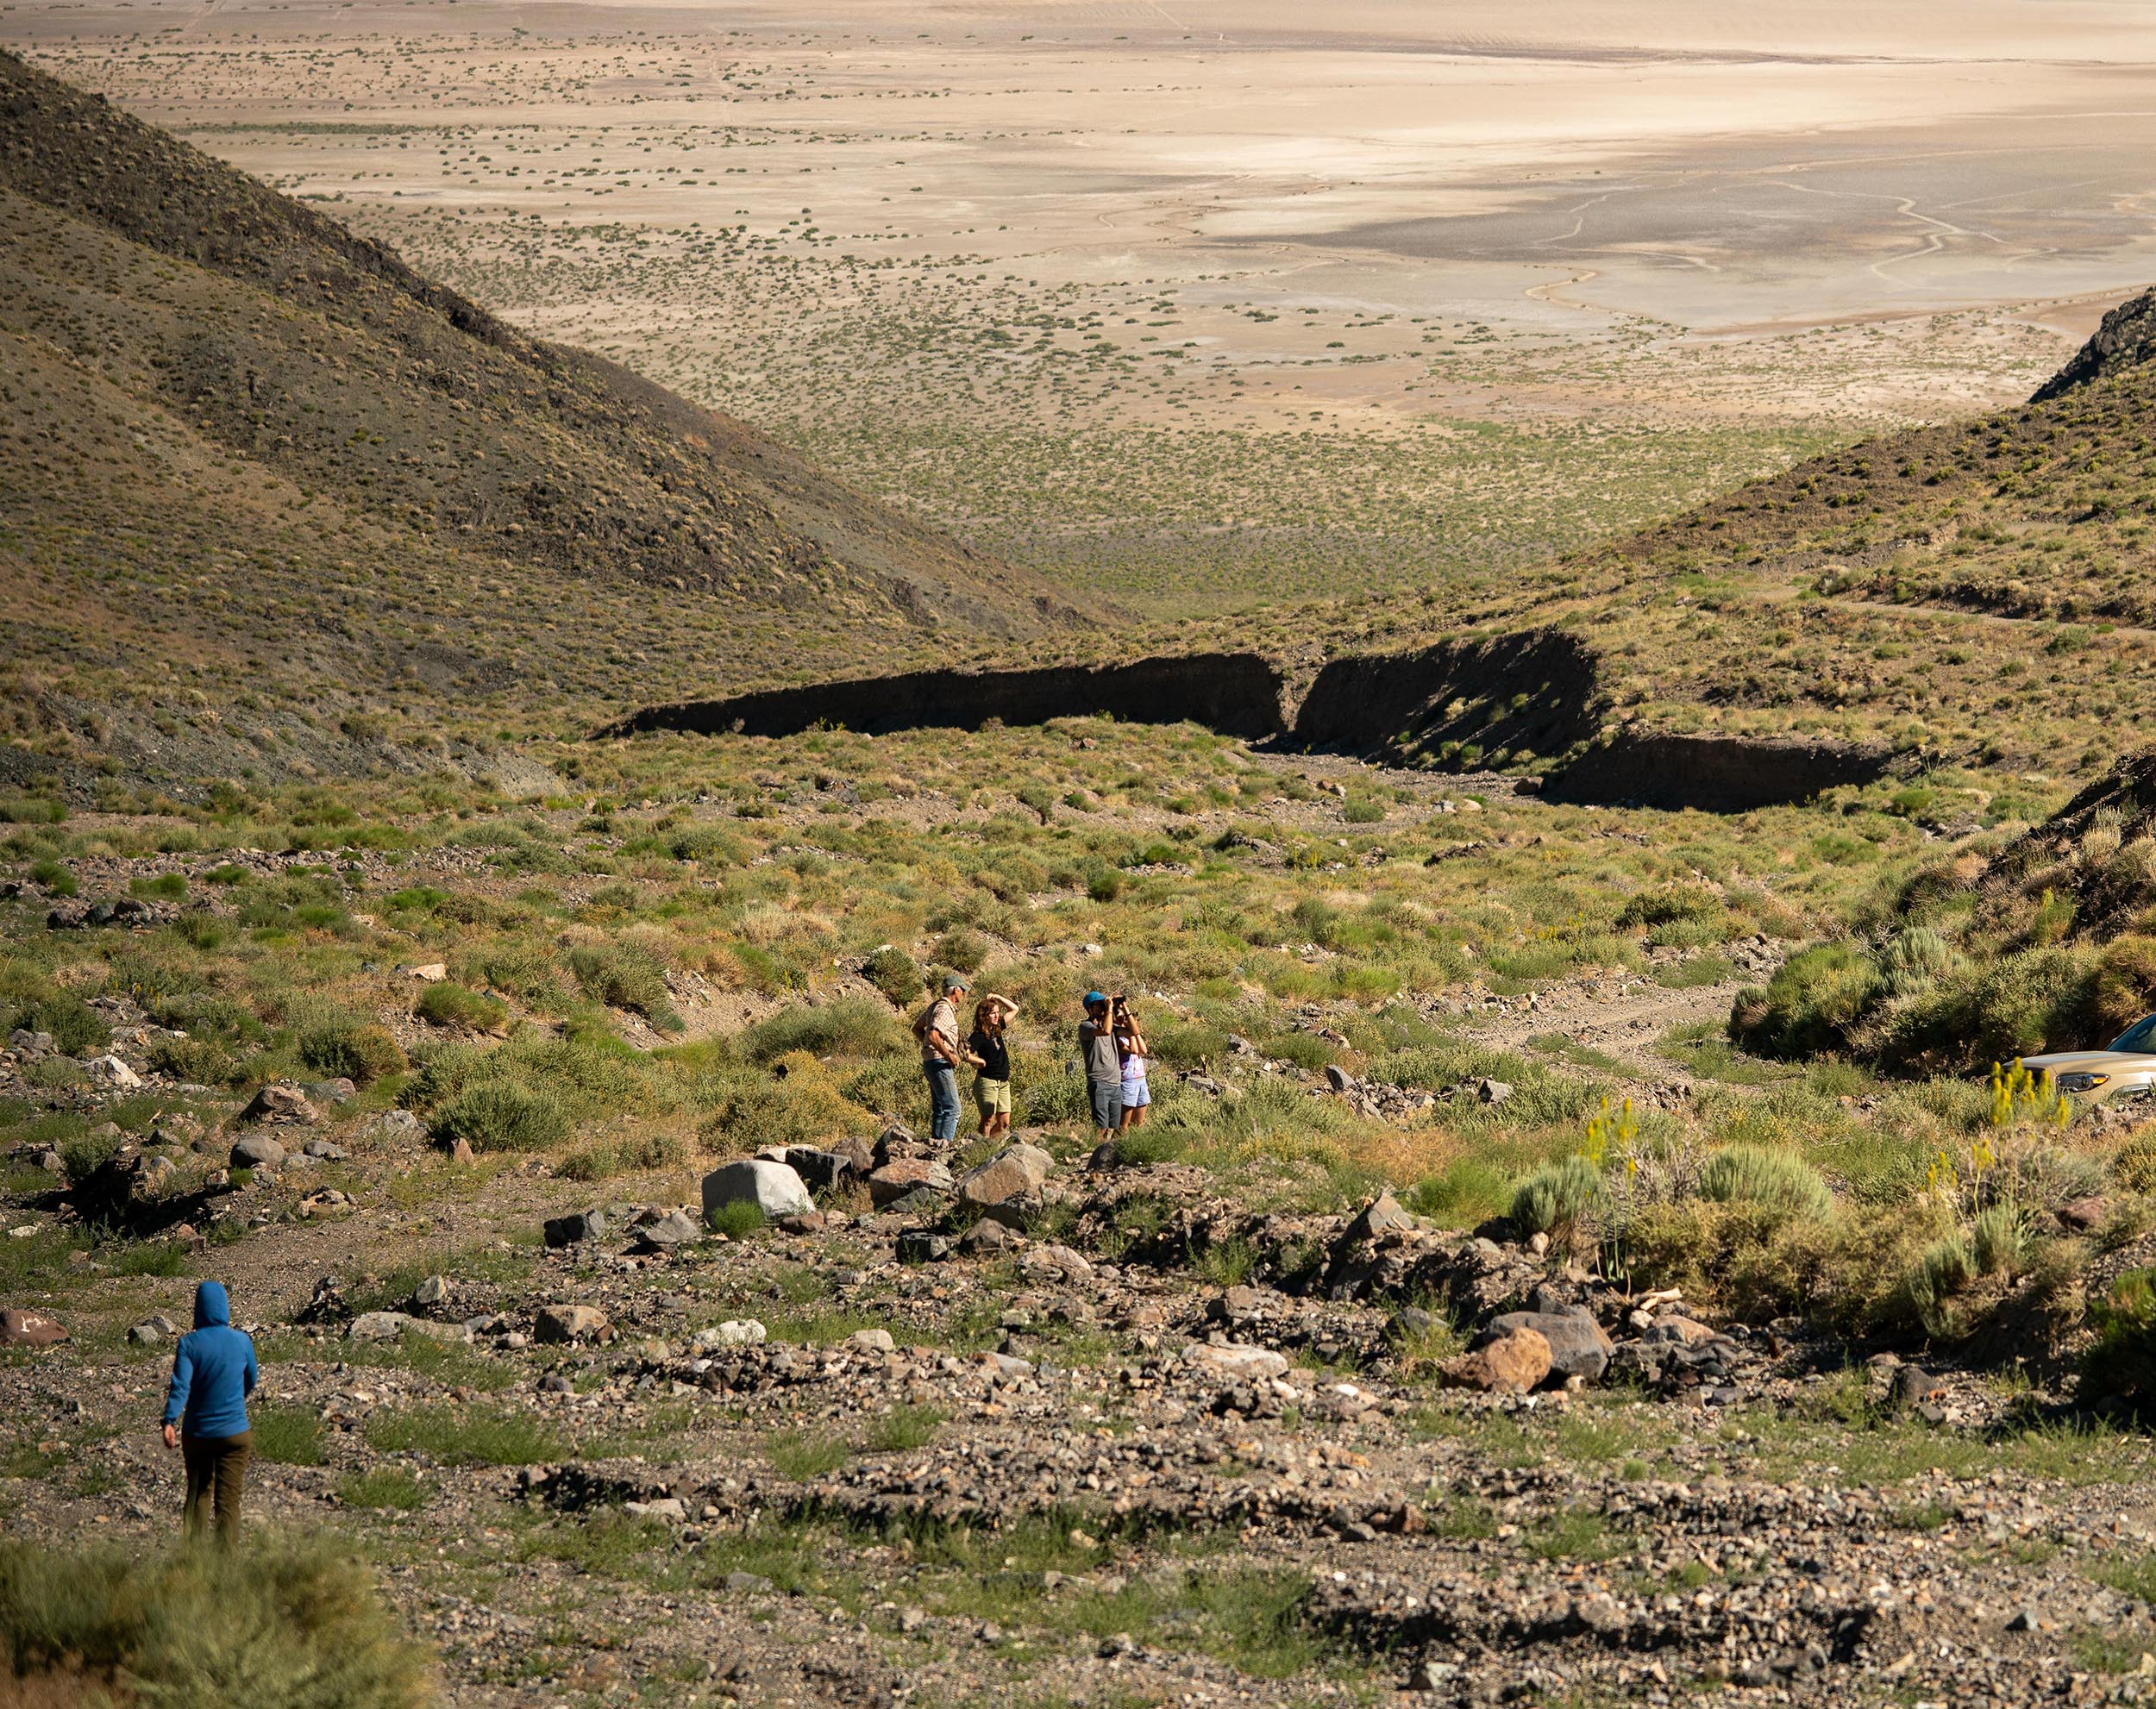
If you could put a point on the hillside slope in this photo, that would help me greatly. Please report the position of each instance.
(236, 439)
(1975, 592)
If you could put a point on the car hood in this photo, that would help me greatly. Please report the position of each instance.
(2092, 1061)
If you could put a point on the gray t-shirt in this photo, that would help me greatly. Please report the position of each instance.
(1096, 1043)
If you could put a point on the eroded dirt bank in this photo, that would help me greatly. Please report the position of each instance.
(1449, 707)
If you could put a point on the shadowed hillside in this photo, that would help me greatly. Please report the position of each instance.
(241, 441)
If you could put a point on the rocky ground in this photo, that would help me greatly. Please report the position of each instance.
(1061, 1428)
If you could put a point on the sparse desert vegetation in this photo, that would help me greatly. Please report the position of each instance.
(1577, 1251)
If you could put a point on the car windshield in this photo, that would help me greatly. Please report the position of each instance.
(2141, 1035)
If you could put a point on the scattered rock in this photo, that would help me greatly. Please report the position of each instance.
(30, 1328)
(110, 1073)
(1052, 1260)
(572, 1230)
(1243, 1364)
(773, 1188)
(676, 1228)
(558, 1323)
(734, 1332)
(280, 1101)
(327, 1150)
(1512, 1364)
(985, 1237)
(1018, 1172)
(821, 1171)
(256, 1151)
(431, 1291)
(398, 1127)
(1492, 1092)
(427, 973)
(376, 1326)
(892, 1181)
(1577, 1346)
(921, 1246)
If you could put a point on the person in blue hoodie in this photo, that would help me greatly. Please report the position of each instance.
(205, 1411)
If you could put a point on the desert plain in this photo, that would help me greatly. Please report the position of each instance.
(1204, 305)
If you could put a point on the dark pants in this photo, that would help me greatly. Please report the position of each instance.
(216, 1472)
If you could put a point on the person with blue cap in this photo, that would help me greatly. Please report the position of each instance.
(205, 1413)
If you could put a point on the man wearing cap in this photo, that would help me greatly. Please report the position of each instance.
(1104, 1065)
(938, 1033)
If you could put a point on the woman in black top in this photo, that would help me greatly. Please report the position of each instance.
(991, 1054)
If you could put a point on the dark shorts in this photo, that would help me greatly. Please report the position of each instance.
(1107, 1103)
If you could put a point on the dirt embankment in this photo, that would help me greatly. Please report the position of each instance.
(1449, 707)
(1236, 693)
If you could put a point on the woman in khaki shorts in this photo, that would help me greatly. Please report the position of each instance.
(991, 1054)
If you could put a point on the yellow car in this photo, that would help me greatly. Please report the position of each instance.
(2123, 1069)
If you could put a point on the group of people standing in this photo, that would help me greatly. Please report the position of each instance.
(1109, 1043)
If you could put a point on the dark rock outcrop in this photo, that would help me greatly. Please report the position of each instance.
(2126, 340)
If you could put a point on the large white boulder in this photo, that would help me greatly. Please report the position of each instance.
(773, 1188)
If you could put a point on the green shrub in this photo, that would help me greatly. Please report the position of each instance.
(2122, 1361)
(1780, 1181)
(29, 1000)
(617, 1157)
(274, 1623)
(852, 1026)
(904, 1428)
(711, 845)
(739, 1220)
(497, 1117)
(524, 970)
(1670, 904)
(465, 1436)
(2015, 1007)
(626, 976)
(285, 1436)
(1999, 1242)
(803, 1457)
(450, 1004)
(1809, 1006)
(963, 949)
(358, 1050)
(1466, 1192)
(896, 974)
(195, 1062)
(390, 1487)
(1556, 1198)
(2125, 984)
(1915, 959)
(54, 877)
(1945, 1267)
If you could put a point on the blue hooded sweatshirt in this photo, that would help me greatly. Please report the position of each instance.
(213, 1371)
